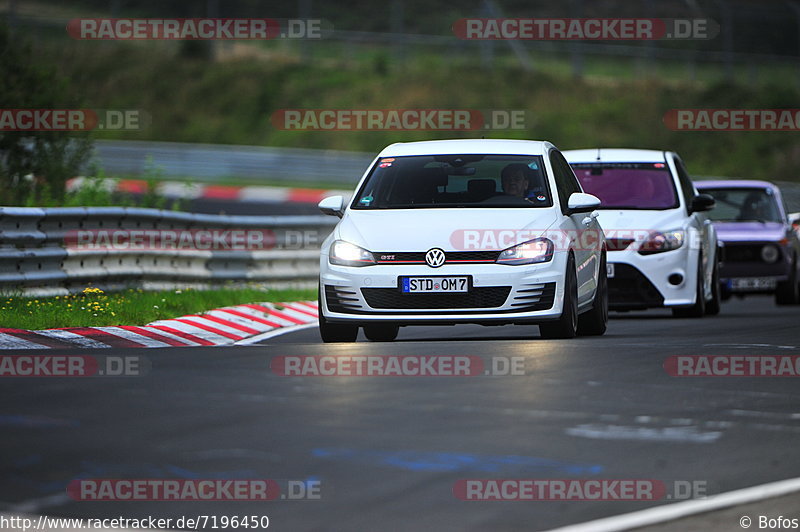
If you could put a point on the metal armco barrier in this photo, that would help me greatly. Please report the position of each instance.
(52, 251)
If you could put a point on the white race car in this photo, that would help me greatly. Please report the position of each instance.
(464, 231)
(662, 248)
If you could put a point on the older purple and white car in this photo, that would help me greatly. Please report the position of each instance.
(761, 248)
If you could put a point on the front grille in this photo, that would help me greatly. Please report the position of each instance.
(742, 253)
(418, 257)
(392, 298)
(630, 289)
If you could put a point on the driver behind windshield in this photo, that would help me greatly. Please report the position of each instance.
(515, 180)
(524, 181)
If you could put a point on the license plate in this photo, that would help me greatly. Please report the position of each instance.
(421, 285)
(753, 283)
(610, 270)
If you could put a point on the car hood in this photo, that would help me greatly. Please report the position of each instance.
(618, 222)
(449, 229)
(749, 231)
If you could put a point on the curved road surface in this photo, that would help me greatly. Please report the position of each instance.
(386, 451)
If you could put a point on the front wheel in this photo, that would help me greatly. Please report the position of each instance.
(334, 332)
(713, 307)
(567, 324)
(595, 321)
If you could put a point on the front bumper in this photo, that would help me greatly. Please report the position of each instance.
(665, 279)
(744, 272)
(499, 294)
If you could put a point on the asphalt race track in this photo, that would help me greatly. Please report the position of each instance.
(386, 451)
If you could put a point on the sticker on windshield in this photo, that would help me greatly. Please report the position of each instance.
(387, 160)
(366, 200)
(533, 166)
(384, 165)
(541, 197)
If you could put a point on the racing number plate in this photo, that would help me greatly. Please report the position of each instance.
(420, 285)
(610, 270)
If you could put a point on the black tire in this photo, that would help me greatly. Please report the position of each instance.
(714, 306)
(699, 308)
(787, 292)
(334, 332)
(595, 321)
(381, 332)
(567, 324)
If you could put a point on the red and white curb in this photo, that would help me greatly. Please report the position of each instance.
(240, 324)
(190, 191)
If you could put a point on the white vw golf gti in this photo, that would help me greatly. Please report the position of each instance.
(491, 232)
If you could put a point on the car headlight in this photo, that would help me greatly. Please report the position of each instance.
(530, 252)
(658, 242)
(770, 253)
(347, 254)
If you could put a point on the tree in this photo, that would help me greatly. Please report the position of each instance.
(35, 165)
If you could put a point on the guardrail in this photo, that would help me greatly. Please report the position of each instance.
(53, 251)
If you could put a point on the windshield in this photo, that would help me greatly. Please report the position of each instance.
(449, 181)
(743, 205)
(628, 185)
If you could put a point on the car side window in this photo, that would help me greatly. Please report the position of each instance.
(566, 182)
(686, 183)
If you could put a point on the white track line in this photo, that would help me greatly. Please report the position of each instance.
(678, 510)
(276, 332)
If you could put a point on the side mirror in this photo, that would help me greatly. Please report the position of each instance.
(581, 202)
(702, 203)
(332, 206)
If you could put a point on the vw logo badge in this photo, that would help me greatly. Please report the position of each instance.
(434, 257)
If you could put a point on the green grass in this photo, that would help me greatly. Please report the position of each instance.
(93, 308)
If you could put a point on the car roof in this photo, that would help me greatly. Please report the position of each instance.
(458, 146)
(734, 183)
(614, 155)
